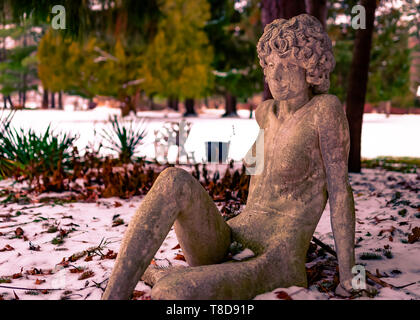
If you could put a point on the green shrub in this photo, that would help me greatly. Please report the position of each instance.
(124, 140)
(33, 154)
(6, 165)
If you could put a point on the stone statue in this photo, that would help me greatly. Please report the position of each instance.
(306, 146)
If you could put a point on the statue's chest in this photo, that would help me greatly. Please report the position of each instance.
(290, 145)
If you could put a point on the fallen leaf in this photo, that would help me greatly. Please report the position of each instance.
(5, 280)
(39, 281)
(64, 263)
(77, 256)
(34, 271)
(109, 255)
(390, 230)
(283, 295)
(86, 274)
(19, 232)
(137, 294)
(176, 247)
(117, 204)
(179, 257)
(34, 247)
(7, 248)
(415, 235)
(77, 270)
(17, 275)
(88, 258)
(117, 222)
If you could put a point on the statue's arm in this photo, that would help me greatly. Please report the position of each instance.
(334, 140)
(261, 113)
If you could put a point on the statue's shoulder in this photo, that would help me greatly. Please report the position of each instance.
(327, 104)
(261, 113)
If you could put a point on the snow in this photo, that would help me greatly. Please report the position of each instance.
(381, 136)
(376, 211)
(244, 254)
(373, 192)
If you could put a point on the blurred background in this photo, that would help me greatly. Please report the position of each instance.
(159, 59)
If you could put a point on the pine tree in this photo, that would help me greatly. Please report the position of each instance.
(177, 63)
(390, 59)
(17, 64)
(53, 55)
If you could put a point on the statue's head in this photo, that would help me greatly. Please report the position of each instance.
(296, 54)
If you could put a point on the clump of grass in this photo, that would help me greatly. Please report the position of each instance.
(400, 164)
(57, 240)
(370, 256)
(388, 254)
(6, 165)
(123, 139)
(35, 154)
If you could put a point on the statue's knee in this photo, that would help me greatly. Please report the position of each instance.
(176, 181)
(172, 174)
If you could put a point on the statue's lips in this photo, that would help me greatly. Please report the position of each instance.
(281, 89)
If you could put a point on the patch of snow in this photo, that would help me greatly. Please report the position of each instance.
(244, 254)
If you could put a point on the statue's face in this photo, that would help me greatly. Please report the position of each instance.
(285, 78)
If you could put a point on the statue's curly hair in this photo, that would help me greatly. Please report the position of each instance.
(304, 37)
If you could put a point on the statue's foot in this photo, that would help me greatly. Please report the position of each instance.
(153, 273)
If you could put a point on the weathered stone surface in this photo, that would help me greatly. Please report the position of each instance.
(306, 145)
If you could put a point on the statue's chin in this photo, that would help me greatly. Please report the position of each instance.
(280, 97)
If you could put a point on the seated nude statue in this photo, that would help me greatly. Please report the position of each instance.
(306, 145)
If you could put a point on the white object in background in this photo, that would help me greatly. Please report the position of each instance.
(244, 254)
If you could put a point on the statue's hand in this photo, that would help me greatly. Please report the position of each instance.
(345, 289)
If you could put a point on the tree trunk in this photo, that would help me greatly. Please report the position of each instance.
(45, 99)
(230, 101)
(173, 103)
(189, 106)
(318, 9)
(275, 9)
(358, 79)
(151, 102)
(128, 106)
(53, 100)
(8, 98)
(60, 100)
(23, 98)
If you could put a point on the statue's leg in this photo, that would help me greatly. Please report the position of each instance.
(176, 196)
(224, 281)
(276, 267)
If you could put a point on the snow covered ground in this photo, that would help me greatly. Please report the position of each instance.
(387, 210)
(396, 136)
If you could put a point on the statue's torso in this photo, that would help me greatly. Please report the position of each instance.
(291, 190)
